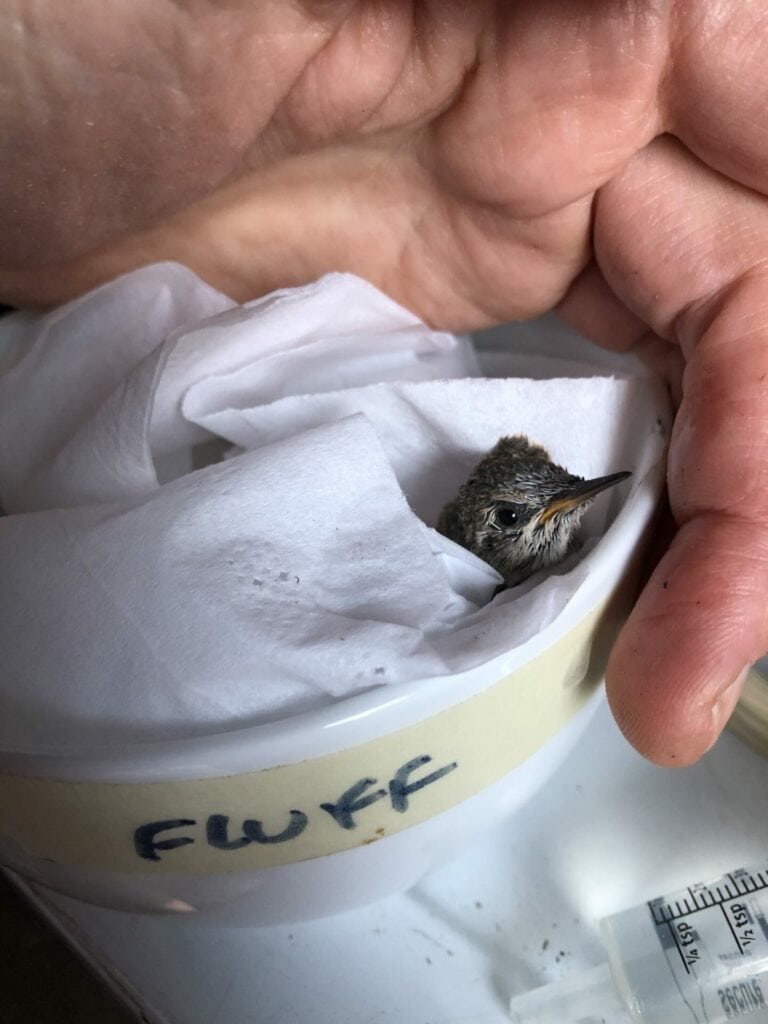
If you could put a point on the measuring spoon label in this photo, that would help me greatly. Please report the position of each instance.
(715, 942)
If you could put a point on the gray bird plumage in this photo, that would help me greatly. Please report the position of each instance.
(519, 510)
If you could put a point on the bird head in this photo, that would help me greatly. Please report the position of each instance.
(519, 510)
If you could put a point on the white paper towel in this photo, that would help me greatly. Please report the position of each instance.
(74, 404)
(95, 400)
(297, 571)
(435, 432)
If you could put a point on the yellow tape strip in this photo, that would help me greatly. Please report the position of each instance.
(319, 806)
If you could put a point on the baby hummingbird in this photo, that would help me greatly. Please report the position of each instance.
(519, 510)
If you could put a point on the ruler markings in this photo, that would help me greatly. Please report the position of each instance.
(712, 896)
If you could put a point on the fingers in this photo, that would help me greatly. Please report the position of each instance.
(677, 669)
(682, 248)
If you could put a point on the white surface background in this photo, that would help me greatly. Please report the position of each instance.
(607, 831)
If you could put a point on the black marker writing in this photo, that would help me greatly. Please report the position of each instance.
(146, 845)
(220, 835)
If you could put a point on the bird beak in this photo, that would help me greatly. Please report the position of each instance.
(579, 493)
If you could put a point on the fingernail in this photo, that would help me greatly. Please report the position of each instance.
(726, 701)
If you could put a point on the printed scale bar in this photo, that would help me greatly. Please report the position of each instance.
(731, 886)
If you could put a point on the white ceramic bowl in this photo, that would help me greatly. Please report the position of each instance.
(334, 808)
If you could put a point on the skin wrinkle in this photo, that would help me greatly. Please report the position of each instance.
(704, 34)
(313, 119)
(696, 317)
(712, 271)
(428, 265)
(220, 166)
(561, 288)
(540, 252)
(424, 85)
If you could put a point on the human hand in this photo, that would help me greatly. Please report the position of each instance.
(479, 162)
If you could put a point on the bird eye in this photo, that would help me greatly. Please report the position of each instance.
(510, 515)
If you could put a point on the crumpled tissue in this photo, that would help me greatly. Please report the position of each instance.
(144, 598)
